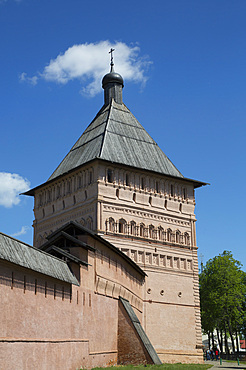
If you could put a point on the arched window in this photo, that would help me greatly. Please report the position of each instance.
(122, 226)
(160, 233)
(186, 239)
(117, 193)
(180, 208)
(141, 230)
(177, 236)
(89, 223)
(110, 175)
(134, 197)
(111, 225)
(150, 200)
(169, 234)
(82, 222)
(151, 231)
(133, 228)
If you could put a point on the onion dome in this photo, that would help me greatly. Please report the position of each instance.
(112, 84)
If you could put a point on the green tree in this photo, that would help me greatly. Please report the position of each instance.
(222, 293)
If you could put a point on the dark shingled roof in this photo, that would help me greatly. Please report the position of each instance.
(24, 255)
(115, 135)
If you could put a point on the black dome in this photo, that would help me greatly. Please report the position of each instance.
(112, 77)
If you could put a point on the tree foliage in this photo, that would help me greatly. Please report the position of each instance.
(222, 294)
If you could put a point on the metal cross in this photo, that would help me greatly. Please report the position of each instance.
(112, 58)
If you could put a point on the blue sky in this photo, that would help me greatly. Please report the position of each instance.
(183, 63)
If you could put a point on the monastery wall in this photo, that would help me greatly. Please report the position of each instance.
(49, 324)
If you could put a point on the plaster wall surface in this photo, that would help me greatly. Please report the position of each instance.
(49, 324)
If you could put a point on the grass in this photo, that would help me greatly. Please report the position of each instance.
(160, 367)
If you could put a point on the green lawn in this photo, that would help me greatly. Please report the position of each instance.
(160, 367)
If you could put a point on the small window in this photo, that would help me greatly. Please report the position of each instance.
(127, 180)
(68, 187)
(71, 293)
(160, 233)
(122, 226)
(172, 191)
(12, 281)
(110, 175)
(134, 197)
(169, 234)
(151, 231)
(53, 208)
(142, 185)
(142, 230)
(89, 223)
(133, 227)
(90, 177)
(24, 283)
(177, 238)
(111, 224)
(157, 186)
(184, 193)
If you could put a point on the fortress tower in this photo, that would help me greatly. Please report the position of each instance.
(117, 182)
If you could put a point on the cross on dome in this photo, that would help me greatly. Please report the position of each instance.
(112, 59)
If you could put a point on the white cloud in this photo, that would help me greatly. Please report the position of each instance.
(90, 62)
(11, 184)
(23, 231)
(32, 80)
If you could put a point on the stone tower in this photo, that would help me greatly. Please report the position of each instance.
(117, 182)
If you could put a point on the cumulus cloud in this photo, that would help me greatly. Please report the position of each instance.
(89, 62)
(11, 185)
(23, 231)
